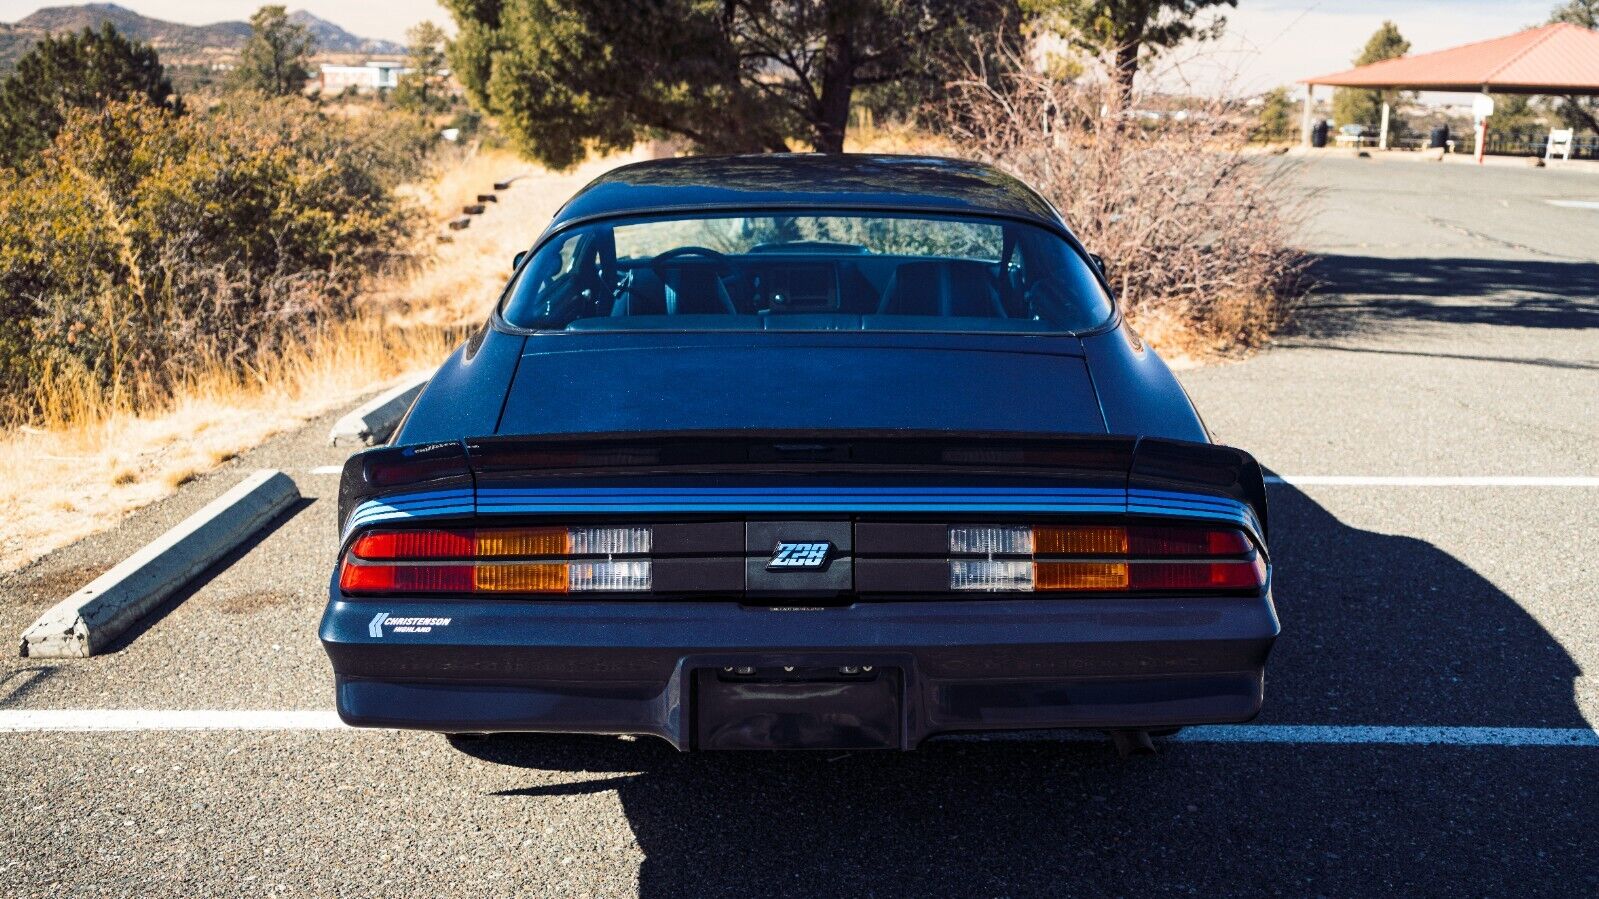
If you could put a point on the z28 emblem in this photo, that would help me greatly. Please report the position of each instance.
(799, 555)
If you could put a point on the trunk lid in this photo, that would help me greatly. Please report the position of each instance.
(591, 383)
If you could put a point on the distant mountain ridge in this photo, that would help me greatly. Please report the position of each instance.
(174, 36)
(330, 38)
(131, 25)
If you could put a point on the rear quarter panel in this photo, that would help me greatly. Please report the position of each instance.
(466, 395)
(1137, 391)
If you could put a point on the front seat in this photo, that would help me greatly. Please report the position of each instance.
(941, 287)
(696, 290)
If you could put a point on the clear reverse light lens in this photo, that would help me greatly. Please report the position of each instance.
(991, 540)
(626, 574)
(991, 574)
(610, 541)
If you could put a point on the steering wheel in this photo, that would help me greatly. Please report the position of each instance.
(723, 264)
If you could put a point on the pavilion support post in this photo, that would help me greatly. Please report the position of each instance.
(1382, 133)
(1304, 125)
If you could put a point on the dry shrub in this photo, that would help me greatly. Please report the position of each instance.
(1195, 248)
(90, 461)
(78, 475)
(144, 247)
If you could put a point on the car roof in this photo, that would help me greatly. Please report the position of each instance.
(809, 181)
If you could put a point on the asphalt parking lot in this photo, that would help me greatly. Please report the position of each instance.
(1455, 337)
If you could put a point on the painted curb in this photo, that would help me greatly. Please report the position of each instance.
(373, 421)
(87, 621)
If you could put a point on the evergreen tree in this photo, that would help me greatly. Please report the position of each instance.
(1578, 112)
(1134, 31)
(727, 75)
(421, 88)
(77, 71)
(1276, 120)
(275, 60)
(1355, 106)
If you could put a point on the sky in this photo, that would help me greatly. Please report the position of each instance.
(1267, 42)
(1277, 42)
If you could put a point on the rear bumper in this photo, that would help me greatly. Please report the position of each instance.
(980, 665)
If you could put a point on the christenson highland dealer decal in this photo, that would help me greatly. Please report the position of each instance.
(374, 628)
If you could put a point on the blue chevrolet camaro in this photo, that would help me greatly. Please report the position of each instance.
(802, 452)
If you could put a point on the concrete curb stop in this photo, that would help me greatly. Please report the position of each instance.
(86, 622)
(373, 421)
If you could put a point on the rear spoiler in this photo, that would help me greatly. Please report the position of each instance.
(446, 476)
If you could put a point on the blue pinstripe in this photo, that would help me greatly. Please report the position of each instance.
(1000, 500)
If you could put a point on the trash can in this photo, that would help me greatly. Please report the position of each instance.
(1439, 137)
(1318, 133)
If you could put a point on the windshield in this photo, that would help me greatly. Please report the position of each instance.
(825, 272)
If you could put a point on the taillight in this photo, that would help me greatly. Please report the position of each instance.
(1102, 558)
(499, 560)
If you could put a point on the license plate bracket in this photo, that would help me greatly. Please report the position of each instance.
(803, 708)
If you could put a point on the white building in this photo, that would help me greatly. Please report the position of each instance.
(373, 75)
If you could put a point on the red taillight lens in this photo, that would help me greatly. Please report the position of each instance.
(1198, 575)
(1175, 541)
(498, 560)
(382, 545)
(1103, 558)
(405, 578)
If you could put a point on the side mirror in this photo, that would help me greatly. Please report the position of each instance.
(516, 261)
(1099, 262)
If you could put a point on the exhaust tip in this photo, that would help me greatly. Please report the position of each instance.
(1131, 742)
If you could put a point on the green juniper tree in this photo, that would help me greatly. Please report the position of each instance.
(1355, 106)
(1135, 31)
(275, 60)
(726, 75)
(77, 71)
(421, 88)
(1276, 119)
(1578, 112)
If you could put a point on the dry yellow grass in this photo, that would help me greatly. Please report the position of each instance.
(93, 462)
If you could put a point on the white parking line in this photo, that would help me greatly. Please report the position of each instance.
(1368, 734)
(107, 720)
(1336, 480)
(327, 469)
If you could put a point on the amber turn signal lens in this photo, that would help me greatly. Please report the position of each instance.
(1080, 541)
(501, 543)
(1080, 576)
(538, 577)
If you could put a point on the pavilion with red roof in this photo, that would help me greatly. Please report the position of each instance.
(1558, 59)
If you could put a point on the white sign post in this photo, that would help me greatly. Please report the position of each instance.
(1481, 108)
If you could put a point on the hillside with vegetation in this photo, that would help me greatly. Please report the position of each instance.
(182, 275)
(177, 42)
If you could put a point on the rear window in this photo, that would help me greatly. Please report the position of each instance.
(807, 272)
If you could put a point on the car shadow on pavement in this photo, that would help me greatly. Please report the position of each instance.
(1354, 294)
(1377, 629)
